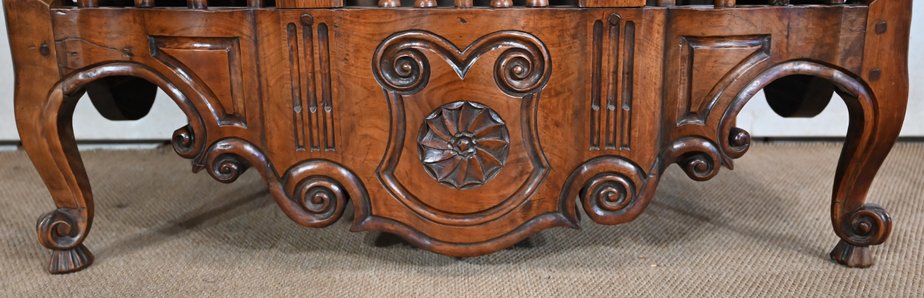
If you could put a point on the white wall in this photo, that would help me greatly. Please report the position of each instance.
(164, 118)
(759, 120)
(756, 117)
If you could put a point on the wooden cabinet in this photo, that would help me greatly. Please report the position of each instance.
(463, 131)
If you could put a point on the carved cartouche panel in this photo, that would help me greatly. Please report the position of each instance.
(463, 144)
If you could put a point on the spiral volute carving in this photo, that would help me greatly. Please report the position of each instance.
(699, 166)
(403, 69)
(611, 189)
(868, 225)
(739, 141)
(227, 168)
(60, 229)
(520, 70)
(697, 156)
(320, 197)
(608, 192)
(183, 141)
(400, 65)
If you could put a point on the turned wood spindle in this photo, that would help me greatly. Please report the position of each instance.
(144, 3)
(424, 3)
(389, 3)
(667, 3)
(537, 3)
(255, 3)
(463, 3)
(501, 3)
(197, 4)
(724, 3)
(87, 3)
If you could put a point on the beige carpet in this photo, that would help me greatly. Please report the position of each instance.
(761, 229)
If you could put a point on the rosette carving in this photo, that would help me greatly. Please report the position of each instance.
(463, 144)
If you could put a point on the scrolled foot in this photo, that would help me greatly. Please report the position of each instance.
(70, 260)
(852, 256)
(62, 231)
(868, 225)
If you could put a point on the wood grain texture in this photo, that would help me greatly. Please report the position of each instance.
(463, 131)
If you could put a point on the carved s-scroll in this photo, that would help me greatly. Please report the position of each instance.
(312, 193)
(859, 225)
(612, 190)
(522, 69)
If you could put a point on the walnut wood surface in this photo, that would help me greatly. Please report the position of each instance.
(463, 131)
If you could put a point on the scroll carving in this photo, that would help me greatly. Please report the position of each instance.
(699, 158)
(612, 190)
(63, 231)
(188, 140)
(858, 224)
(313, 193)
(522, 68)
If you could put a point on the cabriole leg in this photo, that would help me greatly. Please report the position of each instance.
(875, 122)
(47, 137)
(870, 137)
(44, 122)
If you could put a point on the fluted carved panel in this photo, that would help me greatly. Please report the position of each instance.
(612, 86)
(308, 46)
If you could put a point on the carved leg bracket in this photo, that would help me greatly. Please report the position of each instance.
(875, 120)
